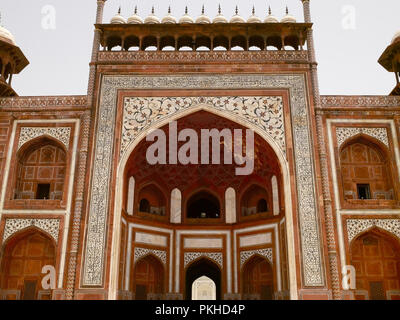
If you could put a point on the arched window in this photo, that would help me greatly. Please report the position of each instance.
(365, 171)
(152, 200)
(41, 172)
(203, 205)
(203, 278)
(254, 201)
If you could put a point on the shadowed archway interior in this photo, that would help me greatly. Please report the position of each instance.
(199, 268)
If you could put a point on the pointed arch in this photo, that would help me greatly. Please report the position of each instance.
(203, 203)
(148, 280)
(258, 279)
(375, 254)
(284, 167)
(24, 256)
(255, 199)
(151, 199)
(202, 267)
(366, 170)
(41, 170)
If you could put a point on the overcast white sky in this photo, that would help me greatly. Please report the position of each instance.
(350, 36)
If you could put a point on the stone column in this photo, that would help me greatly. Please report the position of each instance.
(328, 211)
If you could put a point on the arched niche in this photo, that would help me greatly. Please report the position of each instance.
(203, 267)
(366, 172)
(258, 279)
(41, 170)
(148, 281)
(151, 200)
(24, 256)
(375, 255)
(256, 200)
(203, 205)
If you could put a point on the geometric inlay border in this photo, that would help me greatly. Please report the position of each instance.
(344, 133)
(62, 134)
(140, 252)
(246, 255)
(95, 245)
(50, 226)
(357, 226)
(191, 256)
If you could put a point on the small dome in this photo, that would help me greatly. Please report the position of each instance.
(237, 18)
(396, 37)
(135, 19)
(288, 18)
(7, 36)
(253, 18)
(270, 18)
(152, 18)
(220, 18)
(203, 19)
(169, 19)
(186, 18)
(118, 19)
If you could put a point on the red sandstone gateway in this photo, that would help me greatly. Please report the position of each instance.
(84, 215)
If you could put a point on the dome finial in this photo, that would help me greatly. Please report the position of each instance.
(202, 9)
(254, 10)
(119, 10)
(186, 10)
(169, 9)
(287, 10)
(152, 10)
(135, 10)
(219, 9)
(237, 10)
(269, 10)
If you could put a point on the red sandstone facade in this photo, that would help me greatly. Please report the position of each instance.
(77, 192)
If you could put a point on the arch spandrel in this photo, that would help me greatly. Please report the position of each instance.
(60, 134)
(355, 227)
(144, 113)
(48, 226)
(345, 134)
